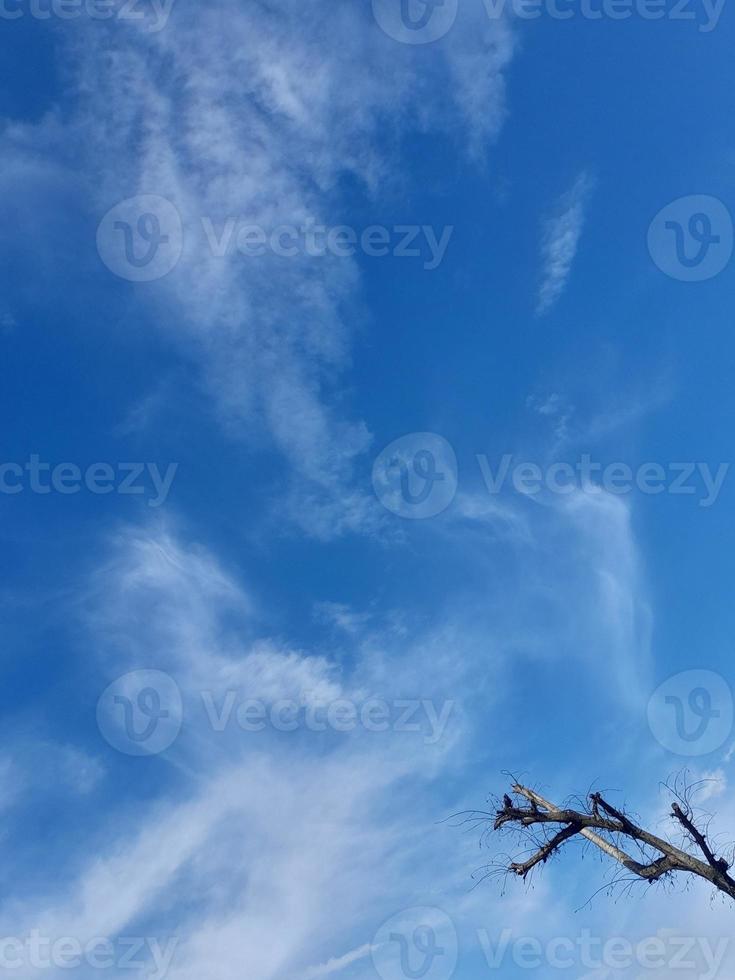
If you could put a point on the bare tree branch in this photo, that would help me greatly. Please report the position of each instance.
(719, 864)
(546, 827)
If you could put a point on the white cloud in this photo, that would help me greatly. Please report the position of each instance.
(33, 769)
(560, 240)
(573, 582)
(713, 783)
(338, 963)
(551, 405)
(263, 853)
(342, 616)
(9, 782)
(611, 575)
(241, 111)
(503, 518)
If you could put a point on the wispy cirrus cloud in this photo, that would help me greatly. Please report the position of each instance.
(258, 113)
(598, 573)
(337, 963)
(244, 829)
(560, 240)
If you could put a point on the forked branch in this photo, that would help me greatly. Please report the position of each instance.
(546, 828)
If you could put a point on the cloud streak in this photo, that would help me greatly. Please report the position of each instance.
(560, 240)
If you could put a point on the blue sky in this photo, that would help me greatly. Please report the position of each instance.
(262, 407)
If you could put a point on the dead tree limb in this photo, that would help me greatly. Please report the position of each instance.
(546, 828)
